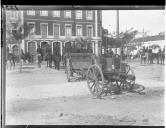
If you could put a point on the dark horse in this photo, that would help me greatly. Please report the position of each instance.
(11, 60)
(162, 57)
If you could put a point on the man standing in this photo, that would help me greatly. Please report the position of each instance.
(159, 55)
(39, 50)
(147, 54)
(150, 55)
(56, 58)
(163, 56)
(141, 55)
(116, 61)
(49, 56)
(39, 56)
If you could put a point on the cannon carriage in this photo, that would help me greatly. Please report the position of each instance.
(101, 72)
(107, 72)
(78, 64)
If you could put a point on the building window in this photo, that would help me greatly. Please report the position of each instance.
(31, 27)
(43, 13)
(14, 14)
(79, 30)
(68, 31)
(68, 14)
(79, 14)
(32, 47)
(44, 30)
(89, 31)
(56, 30)
(30, 12)
(89, 15)
(56, 13)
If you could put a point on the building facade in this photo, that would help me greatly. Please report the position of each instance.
(62, 26)
(50, 27)
(12, 17)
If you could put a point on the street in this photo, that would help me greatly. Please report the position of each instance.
(43, 96)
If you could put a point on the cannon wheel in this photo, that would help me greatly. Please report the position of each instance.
(129, 82)
(68, 69)
(95, 80)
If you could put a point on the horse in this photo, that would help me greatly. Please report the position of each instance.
(11, 61)
(142, 57)
(27, 57)
(162, 57)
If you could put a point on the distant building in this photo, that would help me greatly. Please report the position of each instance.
(149, 41)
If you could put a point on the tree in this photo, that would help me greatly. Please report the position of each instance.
(124, 37)
(16, 32)
(128, 35)
(84, 43)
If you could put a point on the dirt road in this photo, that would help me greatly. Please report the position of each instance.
(45, 97)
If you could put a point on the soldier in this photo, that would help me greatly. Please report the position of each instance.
(158, 56)
(50, 59)
(147, 55)
(49, 56)
(116, 61)
(56, 58)
(111, 52)
(22, 57)
(39, 50)
(12, 60)
(150, 55)
(163, 56)
(141, 55)
(39, 58)
(122, 54)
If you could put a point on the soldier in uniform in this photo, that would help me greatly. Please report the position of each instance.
(163, 56)
(150, 55)
(49, 56)
(159, 56)
(39, 50)
(116, 61)
(50, 59)
(56, 58)
(39, 57)
(12, 60)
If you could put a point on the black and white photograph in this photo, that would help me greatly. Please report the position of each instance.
(84, 66)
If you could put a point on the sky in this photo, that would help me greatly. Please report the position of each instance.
(152, 21)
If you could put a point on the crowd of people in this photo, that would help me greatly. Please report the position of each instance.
(12, 59)
(49, 57)
(148, 56)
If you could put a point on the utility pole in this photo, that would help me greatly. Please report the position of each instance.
(143, 36)
(117, 24)
(106, 43)
(117, 28)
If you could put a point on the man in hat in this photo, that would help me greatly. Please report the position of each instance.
(56, 57)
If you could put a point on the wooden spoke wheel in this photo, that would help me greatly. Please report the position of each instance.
(68, 70)
(128, 81)
(95, 80)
